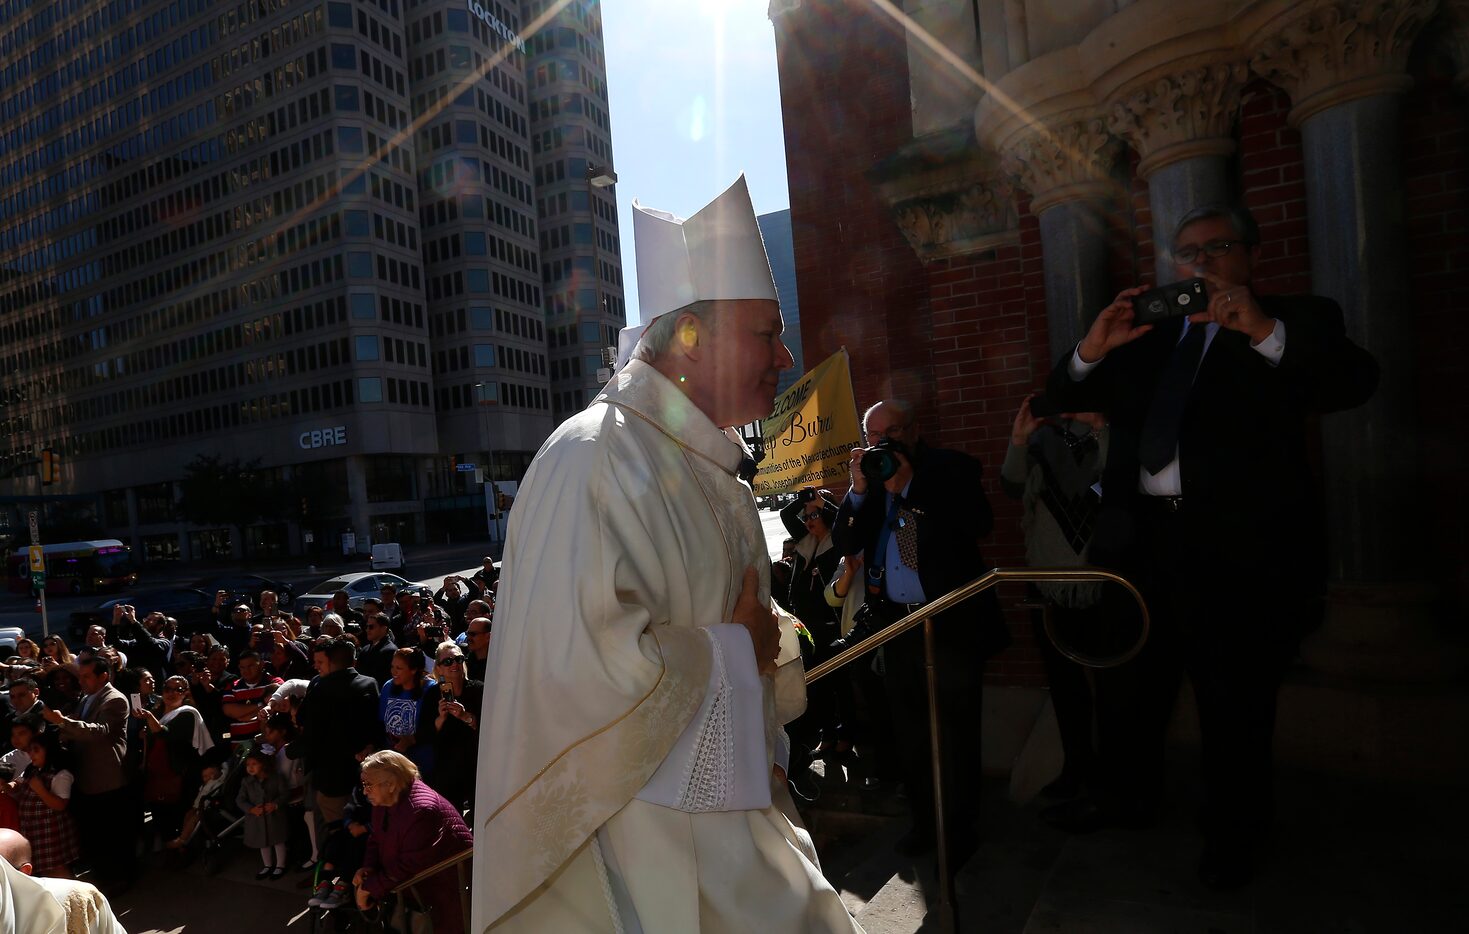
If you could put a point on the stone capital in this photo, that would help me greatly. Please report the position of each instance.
(1180, 114)
(948, 196)
(1062, 161)
(1329, 52)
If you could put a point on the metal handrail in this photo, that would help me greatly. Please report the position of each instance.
(411, 884)
(924, 616)
(980, 584)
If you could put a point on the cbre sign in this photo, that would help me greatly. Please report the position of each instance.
(493, 21)
(323, 438)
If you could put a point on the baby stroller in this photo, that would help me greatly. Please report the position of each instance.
(220, 820)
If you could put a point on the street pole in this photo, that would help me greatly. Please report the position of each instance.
(598, 176)
(479, 389)
(36, 542)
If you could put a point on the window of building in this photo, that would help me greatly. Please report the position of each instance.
(370, 389)
(358, 224)
(359, 265)
(484, 354)
(481, 319)
(367, 347)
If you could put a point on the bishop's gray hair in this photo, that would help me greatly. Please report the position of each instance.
(659, 335)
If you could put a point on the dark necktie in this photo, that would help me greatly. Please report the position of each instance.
(907, 536)
(1160, 430)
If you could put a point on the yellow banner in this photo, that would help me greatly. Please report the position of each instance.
(810, 435)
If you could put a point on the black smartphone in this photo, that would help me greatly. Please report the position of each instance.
(1170, 301)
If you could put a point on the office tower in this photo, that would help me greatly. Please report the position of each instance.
(571, 133)
(302, 234)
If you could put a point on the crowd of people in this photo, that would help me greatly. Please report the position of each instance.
(298, 734)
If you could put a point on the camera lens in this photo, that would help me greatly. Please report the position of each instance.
(878, 465)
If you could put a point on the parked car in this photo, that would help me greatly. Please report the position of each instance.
(186, 604)
(246, 588)
(388, 556)
(359, 587)
(9, 637)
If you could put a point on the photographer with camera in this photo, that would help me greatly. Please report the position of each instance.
(916, 514)
(1210, 506)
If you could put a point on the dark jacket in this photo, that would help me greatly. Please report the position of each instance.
(947, 495)
(1252, 503)
(376, 660)
(338, 718)
(805, 595)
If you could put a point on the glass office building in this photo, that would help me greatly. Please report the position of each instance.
(304, 233)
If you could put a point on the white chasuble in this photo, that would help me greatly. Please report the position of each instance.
(626, 741)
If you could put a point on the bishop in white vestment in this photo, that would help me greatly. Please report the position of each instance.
(629, 736)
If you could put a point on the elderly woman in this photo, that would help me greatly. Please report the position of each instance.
(174, 740)
(413, 828)
(454, 728)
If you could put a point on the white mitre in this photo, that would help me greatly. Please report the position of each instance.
(718, 254)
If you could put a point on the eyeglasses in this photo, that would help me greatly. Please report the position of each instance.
(810, 516)
(451, 660)
(171, 689)
(891, 433)
(1188, 254)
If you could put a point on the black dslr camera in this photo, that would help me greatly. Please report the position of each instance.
(881, 462)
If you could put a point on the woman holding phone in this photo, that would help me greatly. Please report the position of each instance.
(454, 729)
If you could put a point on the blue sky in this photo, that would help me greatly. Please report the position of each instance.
(695, 100)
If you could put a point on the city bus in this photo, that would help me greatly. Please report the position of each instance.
(77, 567)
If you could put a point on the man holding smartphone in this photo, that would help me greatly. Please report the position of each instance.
(1209, 504)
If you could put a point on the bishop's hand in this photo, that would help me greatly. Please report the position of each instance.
(759, 621)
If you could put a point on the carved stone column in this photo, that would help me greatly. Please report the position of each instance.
(1182, 124)
(1344, 64)
(1066, 167)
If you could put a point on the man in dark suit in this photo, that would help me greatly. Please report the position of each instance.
(106, 814)
(919, 537)
(339, 725)
(1209, 503)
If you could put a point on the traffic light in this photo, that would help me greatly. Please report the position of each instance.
(50, 467)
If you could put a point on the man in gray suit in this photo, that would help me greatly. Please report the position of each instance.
(105, 814)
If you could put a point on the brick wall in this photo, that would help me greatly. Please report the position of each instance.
(1272, 182)
(844, 97)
